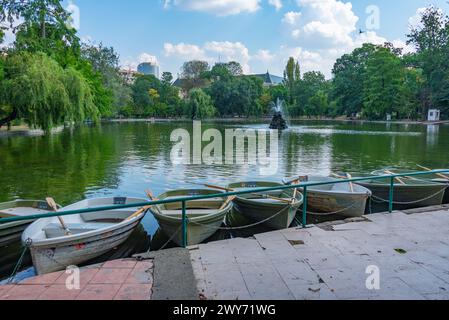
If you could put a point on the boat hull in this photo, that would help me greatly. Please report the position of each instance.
(446, 194)
(11, 232)
(346, 205)
(91, 234)
(55, 257)
(201, 224)
(343, 199)
(406, 196)
(275, 215)
(198, 230)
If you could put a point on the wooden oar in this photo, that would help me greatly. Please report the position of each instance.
(152, 198)
(412, 178)
(348, 176)
(227, 202)
(397, 178)
(295, 191)
(438, 174)
(52, 204)
(351, 185)
(254, 194)
(138, 212)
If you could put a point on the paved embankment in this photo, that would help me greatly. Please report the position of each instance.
(411, 252)
(410, 249)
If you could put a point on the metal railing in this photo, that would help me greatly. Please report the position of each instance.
(304, 186)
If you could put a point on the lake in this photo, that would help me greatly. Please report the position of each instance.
(124, 159)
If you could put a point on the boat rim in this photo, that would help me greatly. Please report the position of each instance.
(315, 189)
(216, 212)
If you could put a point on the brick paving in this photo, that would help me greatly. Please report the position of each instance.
(125, 279)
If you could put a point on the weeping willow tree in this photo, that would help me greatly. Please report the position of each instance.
(39, 91)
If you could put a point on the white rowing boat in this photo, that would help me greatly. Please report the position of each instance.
(11, 231)
(84, 236)
(344, 199)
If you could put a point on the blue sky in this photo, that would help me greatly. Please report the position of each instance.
(260, 34)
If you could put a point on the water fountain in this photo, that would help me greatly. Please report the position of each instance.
(278, 121)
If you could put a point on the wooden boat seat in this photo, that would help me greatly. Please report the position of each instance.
(190, 212)
(213, 203)
(107, 215)
(55, 230)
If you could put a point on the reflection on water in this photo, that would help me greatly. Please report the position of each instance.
(125, 159)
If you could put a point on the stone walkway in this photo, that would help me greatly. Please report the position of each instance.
(126, 279)
(410, 250)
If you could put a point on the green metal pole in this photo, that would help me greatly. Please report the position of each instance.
(184, 225)
(390, 204)
(304, 208)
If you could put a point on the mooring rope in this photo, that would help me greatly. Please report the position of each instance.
(170, 240)
(18, 265)
(243, 227)
(334, 212)
(380, 200)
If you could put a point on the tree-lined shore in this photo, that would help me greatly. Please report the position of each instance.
(49, 77)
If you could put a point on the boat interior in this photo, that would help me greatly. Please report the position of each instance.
(86, 222)
(265, 196)
(195, 208)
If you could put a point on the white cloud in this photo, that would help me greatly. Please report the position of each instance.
(264, 56)
(276, 3)
(217, 7)
(406, 48)
(415, 20)
(296, 33)
(183, 50)
(292, 18)
(321, 31)
(322, 23)
(230, 51)
(132, 63)
(211, 51)
(146, 57)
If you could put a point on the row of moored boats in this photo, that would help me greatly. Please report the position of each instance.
(58, 242)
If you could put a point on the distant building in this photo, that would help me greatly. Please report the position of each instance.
(269, 80)
(179, 84)
(148, 68)
(434, 115)
(129, 75)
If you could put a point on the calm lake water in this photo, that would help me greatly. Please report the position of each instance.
(125, 159)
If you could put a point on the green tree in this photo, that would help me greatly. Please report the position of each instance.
(37, 89)
(167, 78)
(193, 74)
(105, 64)
(292, 75)
(143, 100)
(45, 28)
(431, 40)
(348, 81)
(383, 84)
(306, 88)
(199, 105)
(237, 95)
(318, 104)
